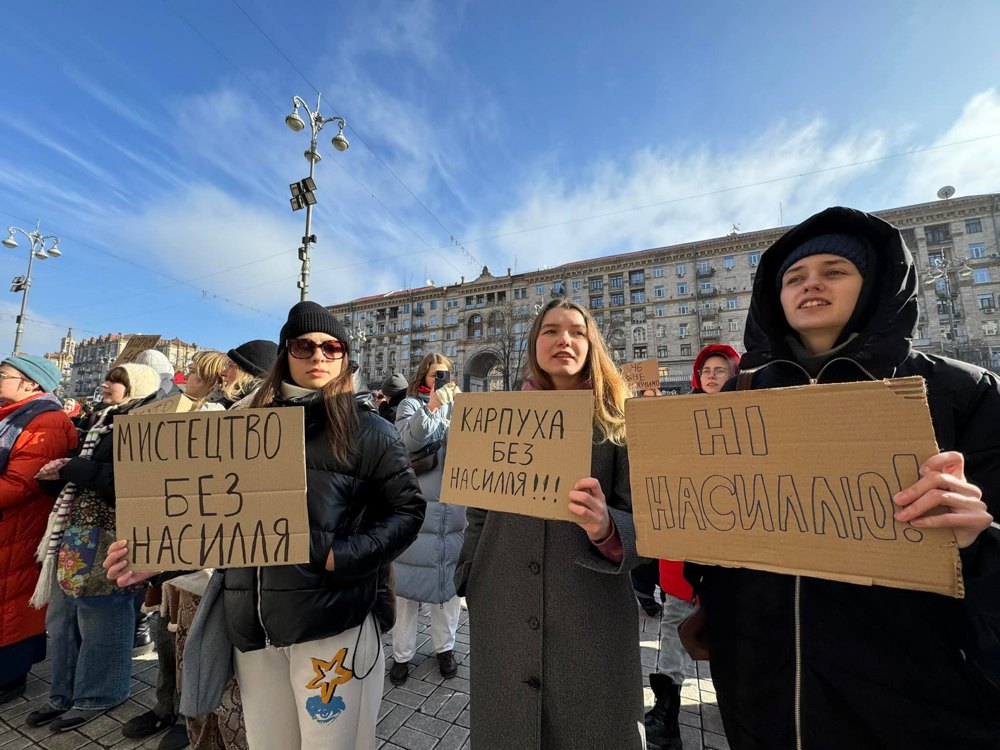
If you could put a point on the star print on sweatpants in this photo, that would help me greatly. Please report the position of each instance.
(326, 682)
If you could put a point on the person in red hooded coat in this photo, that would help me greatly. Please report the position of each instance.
(714, 365)
(33, 431)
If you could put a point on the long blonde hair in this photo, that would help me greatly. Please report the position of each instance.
(423, 368)
(242, 385)
(609, 387)
(208, 366)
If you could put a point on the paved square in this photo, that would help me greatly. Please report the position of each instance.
(427, 713)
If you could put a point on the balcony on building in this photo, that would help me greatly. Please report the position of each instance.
(711, 333)
(418, 310)
(708, 313)
(705, 272)
(709, 292)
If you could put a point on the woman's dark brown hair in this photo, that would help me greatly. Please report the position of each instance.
(338, 397)
(120, 375)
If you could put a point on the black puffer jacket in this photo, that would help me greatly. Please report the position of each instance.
(367, 513)
(877, 667)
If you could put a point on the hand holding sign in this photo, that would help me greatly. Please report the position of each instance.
(117, 563)
(587, 501)
(942, 486)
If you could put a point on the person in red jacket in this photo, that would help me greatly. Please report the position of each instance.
(33, 431)
(714, 365)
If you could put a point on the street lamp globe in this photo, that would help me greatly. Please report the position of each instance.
(41, 254)
(10, 242)
(54, 251)
(294, 122)
(339, 141)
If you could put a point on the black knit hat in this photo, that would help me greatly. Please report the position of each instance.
(308, 317)
(852, 247)
(256, 357)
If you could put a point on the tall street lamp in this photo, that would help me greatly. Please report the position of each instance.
(303, 192)
(37, 249)
(358, 341)
(939, 273)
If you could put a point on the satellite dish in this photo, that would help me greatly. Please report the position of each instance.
(946, 192)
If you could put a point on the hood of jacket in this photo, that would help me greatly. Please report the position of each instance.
(889, 295)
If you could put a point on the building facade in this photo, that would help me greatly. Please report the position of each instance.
(669, 302)
(63, 359)
(94, 356)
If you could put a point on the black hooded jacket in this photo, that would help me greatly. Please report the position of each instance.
(367, 513)
(877, 667)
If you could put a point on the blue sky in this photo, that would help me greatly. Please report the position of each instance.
(150, 137)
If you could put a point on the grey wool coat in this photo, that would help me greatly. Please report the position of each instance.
(425, 572)
(553, 627)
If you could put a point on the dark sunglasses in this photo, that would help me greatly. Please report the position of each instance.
(304, 348)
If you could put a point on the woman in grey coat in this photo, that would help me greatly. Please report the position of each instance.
(555, 658)
(425, 572)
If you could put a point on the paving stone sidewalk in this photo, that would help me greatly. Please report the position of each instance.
(427, 713)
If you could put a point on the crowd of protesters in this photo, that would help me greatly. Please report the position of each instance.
(291, 656)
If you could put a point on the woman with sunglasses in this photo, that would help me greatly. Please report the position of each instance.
(308, 655)
(426, 571)
(555, 660)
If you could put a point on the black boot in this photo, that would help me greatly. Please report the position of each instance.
(662, 730)
(143, 641)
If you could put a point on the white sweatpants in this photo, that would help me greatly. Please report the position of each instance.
(444, 625)
(320, 694)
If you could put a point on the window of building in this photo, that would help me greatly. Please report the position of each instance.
(596, 285)
(661, 331)
(475, 326)
(520, 294)
(985, 302)
(662, 352)
(637, 298)
(973, 226)
(977, 250)
(578, 299)
(659, 272)
(406, 338)
(909, 239)
(660, 311)
(682, 330)
(406, 307)
(659, 292)
(576, 284)
(540, 289)
(981, 276)
(703, 266)
(596, 302)
(732, 303)
(754, 258)
(616, 282)
(704, 286)
(406, 325)
(450, 351)
(639, 352)
(681, 269)
(432, 336)
(683, 309)
(729, 261)
(637, 278)
(434, 304)
(734, 325)
(618, 354)
(685, 350)
(937, 234)
(682, 287)
(639, 316)
(617, 298)
(639, 335)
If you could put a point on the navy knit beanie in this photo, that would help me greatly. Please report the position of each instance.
(254, 357)
(856, 249)
(309, 317)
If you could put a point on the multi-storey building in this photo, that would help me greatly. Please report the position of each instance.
(63, 359)
(669, 302)
(94, 356)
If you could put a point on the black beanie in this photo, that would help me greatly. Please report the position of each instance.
(309, 317)
(852, 247)
(256, 357)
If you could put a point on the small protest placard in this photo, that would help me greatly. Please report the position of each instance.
(791, 480)
(174, 405)
(642, 374)
(135, 345)
(215, 489)
(519, 452)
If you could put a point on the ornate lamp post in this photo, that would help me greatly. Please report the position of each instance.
(303, 192)
(36, 249)
(939, 272)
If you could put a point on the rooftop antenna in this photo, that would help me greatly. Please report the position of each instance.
(946, 192)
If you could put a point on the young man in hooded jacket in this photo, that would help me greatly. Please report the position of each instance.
(808, 663)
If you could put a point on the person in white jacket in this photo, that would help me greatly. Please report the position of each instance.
(425, 572)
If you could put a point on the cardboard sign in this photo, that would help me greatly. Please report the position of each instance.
(135, 346)
(518, 452)
(791, 480)
(212, 489)
(174, 405)
(642, 375)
